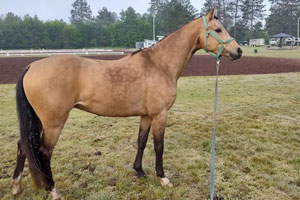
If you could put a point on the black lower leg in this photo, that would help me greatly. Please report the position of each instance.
(48, 182)
(159, 149)
(20, 162)
(142, 141)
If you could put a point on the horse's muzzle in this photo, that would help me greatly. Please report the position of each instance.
(238, 55)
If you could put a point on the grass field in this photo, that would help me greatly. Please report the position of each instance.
(257, 146)
(265, 52)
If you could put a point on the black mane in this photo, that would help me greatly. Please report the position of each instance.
(137, 51)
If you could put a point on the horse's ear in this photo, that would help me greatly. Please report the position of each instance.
(212, 14)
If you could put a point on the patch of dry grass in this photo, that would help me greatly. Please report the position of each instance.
(257, 146)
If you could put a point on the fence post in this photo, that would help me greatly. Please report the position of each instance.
(298, 33)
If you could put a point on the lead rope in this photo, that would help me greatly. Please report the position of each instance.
(212, 164)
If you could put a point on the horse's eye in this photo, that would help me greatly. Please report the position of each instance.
(218, 30)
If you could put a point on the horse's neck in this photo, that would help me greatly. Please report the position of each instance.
(174, 52)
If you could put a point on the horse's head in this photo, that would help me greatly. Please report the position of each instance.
(215, 39)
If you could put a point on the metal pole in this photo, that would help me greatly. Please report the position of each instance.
(153, 10)
(298, 33)
(153, 26)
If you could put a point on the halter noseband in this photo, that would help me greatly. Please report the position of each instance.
(212, 33)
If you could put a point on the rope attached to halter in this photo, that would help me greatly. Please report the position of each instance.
(214, 35)
(212, 165)
(217, 57)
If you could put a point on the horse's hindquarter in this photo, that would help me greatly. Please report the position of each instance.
(51, 86)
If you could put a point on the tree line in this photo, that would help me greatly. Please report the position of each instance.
(242, 18)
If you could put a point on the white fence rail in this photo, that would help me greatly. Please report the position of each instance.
(50, 52)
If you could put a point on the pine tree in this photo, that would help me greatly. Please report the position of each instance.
(235, 11)
(106, 18)
(81, 12)
(131, 28)
(253, 11)
(283, 16)
(173, 14)
(12, 32)
(207, 6)
(223, 8)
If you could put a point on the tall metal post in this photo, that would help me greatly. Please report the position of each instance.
(153, 26)
(153, 10)
(298, 33)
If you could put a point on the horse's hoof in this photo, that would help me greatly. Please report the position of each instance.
(55, 194)
(165, 182)
(16, 189)
(141, 174)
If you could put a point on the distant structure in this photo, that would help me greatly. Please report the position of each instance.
(257, 42)
(147, 43)
(160, 37)
(244, 43)
(144, 44)
(282, 39)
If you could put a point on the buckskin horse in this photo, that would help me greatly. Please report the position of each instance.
(141, 84)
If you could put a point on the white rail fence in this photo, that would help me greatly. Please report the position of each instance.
(50, 52)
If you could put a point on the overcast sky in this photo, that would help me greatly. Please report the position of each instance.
(60, 9)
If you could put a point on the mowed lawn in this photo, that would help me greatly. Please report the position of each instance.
(257, 145)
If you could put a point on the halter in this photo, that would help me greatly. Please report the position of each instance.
(214, 35)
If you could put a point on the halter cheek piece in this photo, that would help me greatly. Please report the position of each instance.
(214, 35)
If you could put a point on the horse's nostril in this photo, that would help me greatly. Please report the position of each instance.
(239, 50)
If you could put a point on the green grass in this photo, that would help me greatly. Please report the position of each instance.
(257, 146)
(265, 52)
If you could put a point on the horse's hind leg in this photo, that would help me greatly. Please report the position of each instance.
(17, 177)
(145, 125)
(48, 142)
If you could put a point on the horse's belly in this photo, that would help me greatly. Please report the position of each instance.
(113, 109)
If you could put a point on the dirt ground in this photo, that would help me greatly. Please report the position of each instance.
(200, 65)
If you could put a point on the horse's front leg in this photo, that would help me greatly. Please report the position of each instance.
(158, 130)
(145, 125)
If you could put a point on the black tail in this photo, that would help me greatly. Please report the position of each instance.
(30, 131)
